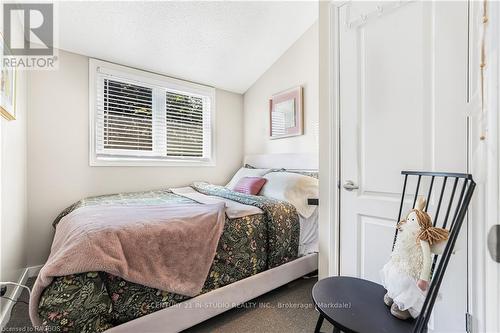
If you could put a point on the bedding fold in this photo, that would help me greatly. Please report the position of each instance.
(167, 247)
(234, 209)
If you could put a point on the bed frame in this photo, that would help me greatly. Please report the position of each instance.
(198, 309)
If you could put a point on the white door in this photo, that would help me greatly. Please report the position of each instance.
(403, 91)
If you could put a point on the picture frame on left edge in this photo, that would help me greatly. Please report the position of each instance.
(8, 77)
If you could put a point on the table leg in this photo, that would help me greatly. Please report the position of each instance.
(319, 323)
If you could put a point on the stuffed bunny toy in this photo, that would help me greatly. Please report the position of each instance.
(406, 276)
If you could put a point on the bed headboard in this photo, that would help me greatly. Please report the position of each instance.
(298, 161)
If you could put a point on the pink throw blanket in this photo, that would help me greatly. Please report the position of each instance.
(167, 247)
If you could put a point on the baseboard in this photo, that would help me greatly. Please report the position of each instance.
(27, 273)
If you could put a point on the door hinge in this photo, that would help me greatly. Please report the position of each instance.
(468, 322)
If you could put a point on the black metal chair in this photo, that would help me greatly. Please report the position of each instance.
(356, 305)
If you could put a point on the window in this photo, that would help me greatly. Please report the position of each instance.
(140, 118)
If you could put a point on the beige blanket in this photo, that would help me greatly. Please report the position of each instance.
(167, 247)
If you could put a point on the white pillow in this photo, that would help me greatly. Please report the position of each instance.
(246, 172)
(293, 188)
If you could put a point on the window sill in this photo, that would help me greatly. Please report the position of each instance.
(134, 162)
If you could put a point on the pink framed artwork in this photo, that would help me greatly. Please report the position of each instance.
(285, 114)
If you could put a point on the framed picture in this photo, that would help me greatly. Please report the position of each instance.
(285, 113)
(7, 87)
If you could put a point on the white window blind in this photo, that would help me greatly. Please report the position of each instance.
(146, 119)
(125, 117)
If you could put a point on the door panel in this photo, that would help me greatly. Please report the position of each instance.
(403, 88)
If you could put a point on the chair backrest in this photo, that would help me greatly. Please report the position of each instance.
(451, 194)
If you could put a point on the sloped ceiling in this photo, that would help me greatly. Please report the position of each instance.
(227, 45)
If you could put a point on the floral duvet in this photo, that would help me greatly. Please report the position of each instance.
(97, 301)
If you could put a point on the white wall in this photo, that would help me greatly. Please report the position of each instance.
(297, 66)
(328, 221)
(58, 149)
(13, 220)
(13, 186)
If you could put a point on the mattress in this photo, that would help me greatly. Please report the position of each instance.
(97, 301)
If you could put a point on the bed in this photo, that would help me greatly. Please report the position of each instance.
(255, 254)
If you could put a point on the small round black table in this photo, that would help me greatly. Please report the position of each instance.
(355, 305)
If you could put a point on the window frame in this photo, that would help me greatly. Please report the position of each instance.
(148, 79)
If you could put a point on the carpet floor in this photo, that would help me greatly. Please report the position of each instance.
(286, 309)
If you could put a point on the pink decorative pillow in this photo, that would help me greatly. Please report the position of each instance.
(250, 185)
